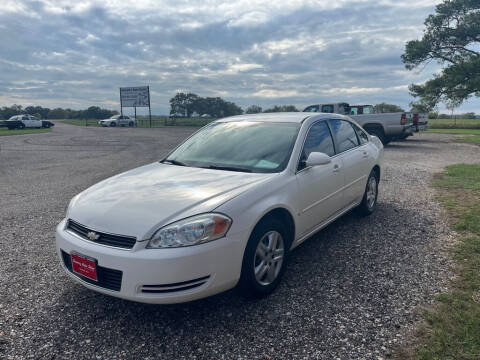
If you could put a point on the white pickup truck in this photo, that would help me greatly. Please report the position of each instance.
(386, 126)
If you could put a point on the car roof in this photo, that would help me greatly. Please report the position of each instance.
(292, 117)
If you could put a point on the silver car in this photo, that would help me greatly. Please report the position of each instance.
(119, 120)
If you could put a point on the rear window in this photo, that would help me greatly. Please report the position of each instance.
(345, 134)
(327, 109)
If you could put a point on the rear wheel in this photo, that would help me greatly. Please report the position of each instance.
(21, 126)
(378, 132)
(265, 258)
(113, 124)
(131, 124)
(369, 201)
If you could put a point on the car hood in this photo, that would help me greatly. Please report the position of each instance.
(139, 201)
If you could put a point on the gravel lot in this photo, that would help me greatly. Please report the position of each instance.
(350, 292)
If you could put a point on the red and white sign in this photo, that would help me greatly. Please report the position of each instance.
(84, 266)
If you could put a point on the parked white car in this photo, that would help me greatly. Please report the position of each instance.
(226, 207)
(119, 120)
(24, 121)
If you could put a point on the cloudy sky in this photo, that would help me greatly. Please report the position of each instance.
(78, 53)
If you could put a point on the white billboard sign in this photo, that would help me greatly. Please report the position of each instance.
(135, 96)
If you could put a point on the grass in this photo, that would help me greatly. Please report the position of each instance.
(474, 139)
(6, 132)
(456, 131)
(454, 124)
(453, 324)
(144, 122)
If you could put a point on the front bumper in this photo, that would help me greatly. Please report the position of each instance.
(161, 276)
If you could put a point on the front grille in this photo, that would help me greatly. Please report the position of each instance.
(107, 278)
(174, 287)
(125, 242)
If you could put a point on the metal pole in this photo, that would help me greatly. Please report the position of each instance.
(135, 114)
(149, 108)
(121, 106)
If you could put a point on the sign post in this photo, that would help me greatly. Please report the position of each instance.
(136, 97)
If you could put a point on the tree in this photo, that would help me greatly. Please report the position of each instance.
(468, 115)
(451, 38)
(186, 104)
(57, 113)
(253, 109)
(183, 104)
(387, 108)
(282, 108)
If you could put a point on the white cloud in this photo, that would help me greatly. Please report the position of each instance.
(273, 94)
(77, 53)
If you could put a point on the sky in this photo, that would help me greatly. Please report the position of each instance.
(78, 53)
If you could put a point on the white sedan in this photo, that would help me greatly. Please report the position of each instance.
(119, 120)
(224, 208)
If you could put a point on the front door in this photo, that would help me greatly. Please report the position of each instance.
(320, 187)
(355, 159)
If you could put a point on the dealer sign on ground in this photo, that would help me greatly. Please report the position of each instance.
(135, 96)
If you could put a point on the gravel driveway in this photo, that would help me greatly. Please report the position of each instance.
(350, 292)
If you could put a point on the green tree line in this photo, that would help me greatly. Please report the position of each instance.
(93, 112)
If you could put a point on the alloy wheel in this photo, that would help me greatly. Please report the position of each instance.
(269, 257)
(371, 192)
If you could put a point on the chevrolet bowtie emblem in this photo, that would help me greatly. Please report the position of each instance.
(93, 235)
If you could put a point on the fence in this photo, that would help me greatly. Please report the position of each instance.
(144, 122)
(454, 123)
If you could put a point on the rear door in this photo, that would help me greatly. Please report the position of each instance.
(35, 121)
(26, 121)
(355, 157)
(320, 186)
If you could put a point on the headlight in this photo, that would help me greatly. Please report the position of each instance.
(191, 231)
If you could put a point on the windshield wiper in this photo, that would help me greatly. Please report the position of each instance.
(229, 168)
(174, 162)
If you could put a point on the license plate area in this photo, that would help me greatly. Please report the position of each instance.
(84, 266)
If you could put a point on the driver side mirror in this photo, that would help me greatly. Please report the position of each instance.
(317, 158)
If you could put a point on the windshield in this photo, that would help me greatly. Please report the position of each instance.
(239, 146)
(115, 117)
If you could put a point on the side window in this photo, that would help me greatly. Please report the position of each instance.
(368, 110)
(344, 134)
(353, 110)
(319, 139)
(25, 117)
(361, 134)
(327, 109)
(312, 108)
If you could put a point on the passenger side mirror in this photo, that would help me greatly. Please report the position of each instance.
(317, 158)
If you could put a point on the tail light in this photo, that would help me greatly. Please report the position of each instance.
(403, 119)
(415, 119)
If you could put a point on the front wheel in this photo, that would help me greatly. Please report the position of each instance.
(131, 124)
(369, 201)
(265, 258)
(21, 126)
(113, 124)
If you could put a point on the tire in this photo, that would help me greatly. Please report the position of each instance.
(131, 124)
(113, 124)
(369, 200)
(269, 240)
(21, 126)
(378, 132)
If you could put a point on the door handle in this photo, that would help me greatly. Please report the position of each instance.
(336, 168)
(365, 154)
